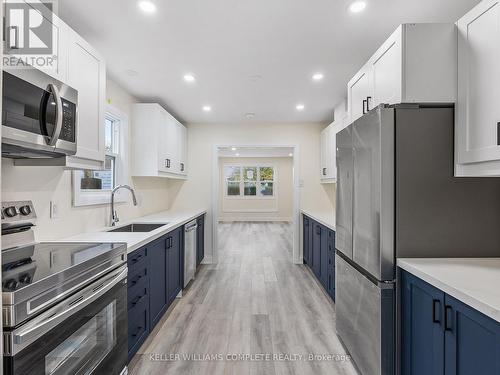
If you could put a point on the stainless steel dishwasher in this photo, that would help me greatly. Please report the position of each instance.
(189, 251)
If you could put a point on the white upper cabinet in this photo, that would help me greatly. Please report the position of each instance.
(87, 74)
(159, 143)
(359, 92)
(416, 64)
(478, 108)
(328, 171)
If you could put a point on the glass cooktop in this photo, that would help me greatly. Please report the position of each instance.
(27, 265)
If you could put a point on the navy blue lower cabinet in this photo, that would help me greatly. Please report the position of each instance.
(175, 265)
(306, 238)
(158, 280)
(316, 250)
(137, 299)
(319, 253)
(472, 340)
(422, 327)
(441, 335)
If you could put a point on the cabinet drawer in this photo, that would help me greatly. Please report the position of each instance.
(138, 292)
(138, 274)
(135, 258)
(138, 326)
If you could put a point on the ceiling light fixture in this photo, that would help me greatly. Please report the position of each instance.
(189, 78)
(357, 6)
(147, 6)
(207, 108)
(318, 77)
(233, 148)
(290, 155)
(300, 107)
(249, 115)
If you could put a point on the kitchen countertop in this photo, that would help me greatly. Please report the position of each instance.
(136, 240)
(472, 281)
(328, 220)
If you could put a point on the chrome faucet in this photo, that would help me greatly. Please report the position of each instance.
(114, 215)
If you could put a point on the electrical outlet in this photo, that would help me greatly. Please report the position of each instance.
(54, 210)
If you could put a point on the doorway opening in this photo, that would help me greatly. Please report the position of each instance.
(256, 184)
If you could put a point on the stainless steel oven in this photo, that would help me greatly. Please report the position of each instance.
(64, 304)
(39, 115)
(85, 334)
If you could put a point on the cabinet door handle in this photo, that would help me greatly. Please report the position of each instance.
(167, 163)
(318, 230)
(447, 318)
(135, 260)
(324, 171)
(365, 104)
(368, 98)
(436, 311)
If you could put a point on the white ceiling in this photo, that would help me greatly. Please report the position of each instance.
(253, 56)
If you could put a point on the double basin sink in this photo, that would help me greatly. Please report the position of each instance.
(138, 227)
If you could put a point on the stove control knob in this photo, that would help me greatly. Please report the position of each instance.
(25, 210)
(10, 211)
(25, 279)
(11, 284)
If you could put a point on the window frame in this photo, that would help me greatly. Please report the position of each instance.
(258, 181)
(121, 175)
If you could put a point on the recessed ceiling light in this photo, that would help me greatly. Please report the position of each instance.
(147, 6)
(300, 107)
(189, 78)
(249, 115)
(318, 76)
(207, 108)
(357, 6)
(233, 148)
(237, 154)
(290, 155)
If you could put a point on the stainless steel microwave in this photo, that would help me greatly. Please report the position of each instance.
(39, 115)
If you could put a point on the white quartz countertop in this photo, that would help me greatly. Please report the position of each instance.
(136, 240)
(472, 281)
(327, 219)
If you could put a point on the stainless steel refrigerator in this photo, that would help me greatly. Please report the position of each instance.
(397, 197)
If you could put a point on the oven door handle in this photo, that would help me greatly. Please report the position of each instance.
(79, 301)
(59, 115)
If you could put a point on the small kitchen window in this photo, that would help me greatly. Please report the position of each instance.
(242, 181)
(94, 186)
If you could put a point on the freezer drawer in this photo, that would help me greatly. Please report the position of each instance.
(365, 319)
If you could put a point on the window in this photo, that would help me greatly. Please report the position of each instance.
(249, 181)
(95, 186)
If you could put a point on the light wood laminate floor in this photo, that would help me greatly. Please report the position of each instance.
(255, 301)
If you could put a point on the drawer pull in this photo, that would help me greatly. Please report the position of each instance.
(447, 318)
(136, 280)
(137, 300)
(436, 304)
(138, 330)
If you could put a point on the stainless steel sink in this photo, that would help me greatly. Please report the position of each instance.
(136, 227)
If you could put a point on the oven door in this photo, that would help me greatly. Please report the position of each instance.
(85, 334)
(38, 115)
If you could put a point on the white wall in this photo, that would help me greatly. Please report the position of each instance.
(276, 208)
(45, 184)
(196, 192)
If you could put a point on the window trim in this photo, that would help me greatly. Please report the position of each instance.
(89, 198)
(257, 182)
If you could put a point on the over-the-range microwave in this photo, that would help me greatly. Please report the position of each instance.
(39, 115)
